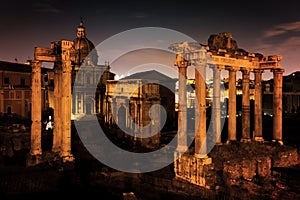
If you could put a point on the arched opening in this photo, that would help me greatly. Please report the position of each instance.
(122, 117)
(9, 110)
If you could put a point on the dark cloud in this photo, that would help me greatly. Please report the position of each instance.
(46, 6)
(282, 29)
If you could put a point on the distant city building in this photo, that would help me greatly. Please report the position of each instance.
(88, 93)
(15, 89)
(290, 94)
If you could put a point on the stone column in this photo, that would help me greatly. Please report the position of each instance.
(66, 110)
(232, 105)
(245, 106)
(76, 103)
(216, 104)
(35, 154)
(200, 110)
(277, 105)
(100, 104)
(182, 65)
(57, 132)
(81, 102)
(257, 134)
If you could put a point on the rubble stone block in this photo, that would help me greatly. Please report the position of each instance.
(17, 143)
(248, 169)
(286, 158)
(264, 166)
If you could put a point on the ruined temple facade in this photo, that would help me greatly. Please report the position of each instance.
(221, 53)
(76, 88)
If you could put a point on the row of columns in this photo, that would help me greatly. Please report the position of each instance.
(200, 111)
(62, 112)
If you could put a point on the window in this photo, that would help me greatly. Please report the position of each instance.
(6, 94)
(22, 81)
(6, 80)
(12, 95)
(27, 94)
(18, 94)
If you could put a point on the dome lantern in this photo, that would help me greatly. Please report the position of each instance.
(84, 47)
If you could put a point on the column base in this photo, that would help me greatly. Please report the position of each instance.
(33, 160)
(278, 142)
(230, 142)
(56, 150)
(246, 140)
(205, 160)
(259, 139)
(67, 157)
(181, 149)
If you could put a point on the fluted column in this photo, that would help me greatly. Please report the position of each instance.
(257, 134)
(232, 104)
(36, 110)
(277, 105)
(182, 101)
(216, 104)
(66, 110)
(200, 110)
(245, 106)
(57, 132)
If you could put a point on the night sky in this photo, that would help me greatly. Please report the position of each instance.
(268, 27)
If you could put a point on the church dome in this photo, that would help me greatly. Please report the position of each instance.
(84, 47)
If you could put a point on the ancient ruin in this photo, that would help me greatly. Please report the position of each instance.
(192, 164)
(68, 57)
(221, 53)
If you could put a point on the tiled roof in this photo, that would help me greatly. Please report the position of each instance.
(18, 67)
(15, 67)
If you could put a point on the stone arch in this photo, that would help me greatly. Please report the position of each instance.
(122, 117)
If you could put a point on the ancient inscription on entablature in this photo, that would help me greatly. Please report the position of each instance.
(219, 60)
(44, 54)
(270, 62)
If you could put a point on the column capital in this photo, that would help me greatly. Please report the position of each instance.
(181, 62)
(216, 66)
(277, 70)
(230, 68)
(36, 63)
(258, 71)
(57, 67)
(245, 70)
(67, 66)
(36, 66)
